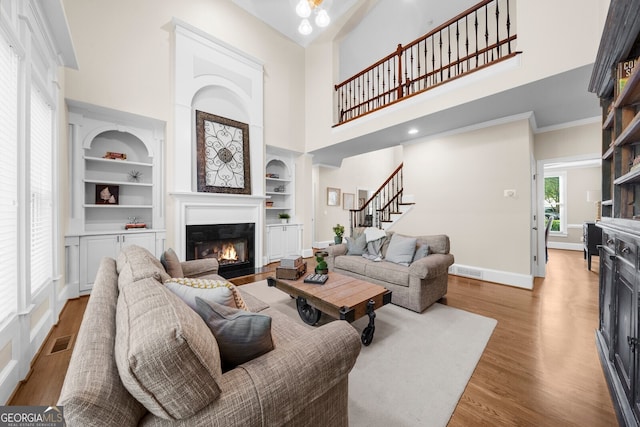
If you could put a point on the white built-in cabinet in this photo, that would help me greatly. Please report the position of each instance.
(284, 238)
(134, 190)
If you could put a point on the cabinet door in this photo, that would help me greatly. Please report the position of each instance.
(276, 242)
(606, 290)
(145, 240)
(624, 332)
(92, 250)
(291, 240)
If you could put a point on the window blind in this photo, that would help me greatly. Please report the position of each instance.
(41, 191)
(8, 179)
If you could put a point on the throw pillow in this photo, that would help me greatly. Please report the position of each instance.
(171, 263)
(219, 291)
(241, 335)
(356, 245)
(163, 350)
(421, 252)
(401, 249)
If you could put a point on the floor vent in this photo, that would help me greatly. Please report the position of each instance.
(469, 272)
(61, 344)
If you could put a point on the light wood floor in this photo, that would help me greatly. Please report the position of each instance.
(540, 367)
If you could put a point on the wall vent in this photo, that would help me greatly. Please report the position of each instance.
(469, 272)
(61, 344)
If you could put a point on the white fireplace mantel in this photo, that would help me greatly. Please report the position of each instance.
(209, 208)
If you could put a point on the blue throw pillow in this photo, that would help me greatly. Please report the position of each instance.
(421, 252)
(241, 335)
(401, 249)
(356, 245)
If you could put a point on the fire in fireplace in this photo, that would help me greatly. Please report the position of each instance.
(231, 244)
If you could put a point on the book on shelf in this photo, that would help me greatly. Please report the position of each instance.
(623, 71)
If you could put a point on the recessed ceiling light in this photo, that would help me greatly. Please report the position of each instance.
(412, 131)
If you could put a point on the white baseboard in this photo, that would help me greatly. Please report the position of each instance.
(322, 245)
(307, 253)
(566, 246)
(524, 281)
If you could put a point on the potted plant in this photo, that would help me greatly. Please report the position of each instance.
(284, 217)
(321, 267)
(339, 231)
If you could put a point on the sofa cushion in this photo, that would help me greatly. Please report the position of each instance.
(401, 249)
(388, 272)
(351, 263)
(136, 263)
(241, 335)
(166, 356)
(219, 291)
(171, 263)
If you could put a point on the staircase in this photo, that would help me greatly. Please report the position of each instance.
(385, 207)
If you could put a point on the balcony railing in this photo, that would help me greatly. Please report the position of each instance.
(475, 39)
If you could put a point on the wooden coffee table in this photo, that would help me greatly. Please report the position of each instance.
(341, 297)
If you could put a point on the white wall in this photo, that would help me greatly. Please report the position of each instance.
(459, 182)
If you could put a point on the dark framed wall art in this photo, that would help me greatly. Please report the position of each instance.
(223, 164)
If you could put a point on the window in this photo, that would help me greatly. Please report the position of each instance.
(554, 201)
(41, 158)
(9, 178)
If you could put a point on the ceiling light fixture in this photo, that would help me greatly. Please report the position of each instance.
(412, 131)
(304, 8)
(305, 27)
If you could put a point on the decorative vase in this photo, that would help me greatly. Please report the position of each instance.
(337, 240)
(284, 220)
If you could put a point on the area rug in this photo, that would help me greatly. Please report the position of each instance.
(417, 366)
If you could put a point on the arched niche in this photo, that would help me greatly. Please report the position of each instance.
(220, 101)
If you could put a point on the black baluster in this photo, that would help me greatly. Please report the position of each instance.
(498, 49)
(449, 52)
(378, 85)
(486, 33)
(476, 38)
(426, 63)
(508, 28)
(457, 48)
(466, 44)
(441, 70)
(433, 60)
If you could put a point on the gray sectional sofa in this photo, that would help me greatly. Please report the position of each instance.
(416, 283)
(143, 357)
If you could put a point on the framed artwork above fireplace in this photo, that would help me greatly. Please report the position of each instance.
(223, 164)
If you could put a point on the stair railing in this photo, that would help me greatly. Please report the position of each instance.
(476, 38)
(385, 201)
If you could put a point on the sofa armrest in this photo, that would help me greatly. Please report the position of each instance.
(299, 372)
(199, 267)
(333, 251)
(430, 266)
(273, 388)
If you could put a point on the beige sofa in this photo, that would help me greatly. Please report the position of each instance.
(139, 339)
(415, 286)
